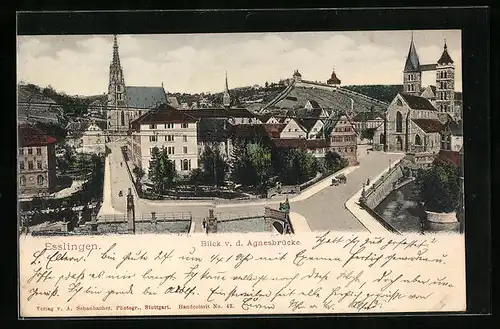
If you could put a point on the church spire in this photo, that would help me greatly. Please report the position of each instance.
(445, 57)
(412, 63)
(226, 98)
(116, 55)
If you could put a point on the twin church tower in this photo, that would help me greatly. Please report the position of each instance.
(444, 91)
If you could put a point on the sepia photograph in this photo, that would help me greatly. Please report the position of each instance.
(240, 173)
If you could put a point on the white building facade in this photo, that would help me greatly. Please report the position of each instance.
(169, 129)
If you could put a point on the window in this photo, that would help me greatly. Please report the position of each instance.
(30, 165)
(40, 180)
(21, 165)
(22, 181)
(21, 151)
(153, 138)
(170, 150)
(169, 138)
(30, 151)
(184, 138)
(186, 164)
(39, 151)
(152, 126)
(185, 149)
(38, 165)
(169, 126)
(418, 141)
(184, 125)
(399, 122)
(123, 118)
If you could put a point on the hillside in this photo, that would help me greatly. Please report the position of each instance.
(384, 93)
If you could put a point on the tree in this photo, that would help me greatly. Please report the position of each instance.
(240, 165)
(440, 187)
(260, 161)
(368, 133)
(161, 170)
(294, 166)
(214, 166)
(139, 174)
(334, 162)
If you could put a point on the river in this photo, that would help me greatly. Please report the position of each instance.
(401, 210)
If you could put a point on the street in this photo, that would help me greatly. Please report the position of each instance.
(325, 210)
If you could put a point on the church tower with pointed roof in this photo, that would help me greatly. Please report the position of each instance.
(412, 73)
(445, 83)
(226, 98)
(116, 92)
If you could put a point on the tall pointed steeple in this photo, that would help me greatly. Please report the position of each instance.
(412, 63)
(226, 98)
(116, 91)
(412, 73)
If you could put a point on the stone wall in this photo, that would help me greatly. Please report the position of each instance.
(380, 189)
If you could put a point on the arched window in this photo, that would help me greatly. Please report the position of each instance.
(418, 141)
(123, 118)
(40, 180)
(22, 181)
(399, 122)
(399, 102)
(185, 164)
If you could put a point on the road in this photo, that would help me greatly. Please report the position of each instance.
(324, 210)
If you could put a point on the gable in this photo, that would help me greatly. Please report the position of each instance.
(292, 126)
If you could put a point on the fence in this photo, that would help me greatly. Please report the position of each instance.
(158, 217)
(225, 217)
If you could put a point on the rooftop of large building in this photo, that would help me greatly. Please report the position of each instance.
(163, 114)
(31, 136)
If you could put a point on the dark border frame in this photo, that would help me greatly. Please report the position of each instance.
(474, 23)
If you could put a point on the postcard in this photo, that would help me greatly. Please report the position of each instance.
(240, 173)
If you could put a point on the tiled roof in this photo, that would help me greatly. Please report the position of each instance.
(163, 114)
(220, 113)
(429, 125)
(428, 67)
(417, 102)
(145, 97)
(299, 143)
(450, 156)
(307, 123)
(31, 136)
(365, 116)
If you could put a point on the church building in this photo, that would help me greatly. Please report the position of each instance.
(417, 116)
(127, 103)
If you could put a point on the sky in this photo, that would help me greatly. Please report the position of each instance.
(195, 63)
